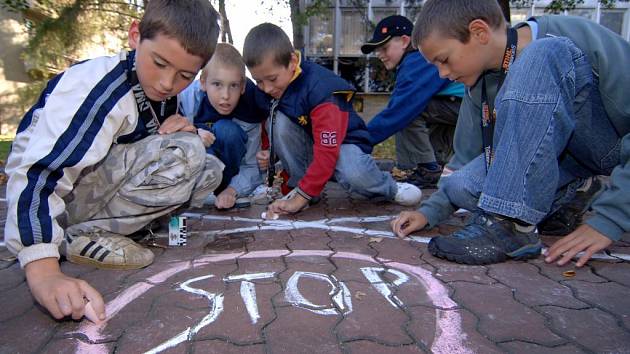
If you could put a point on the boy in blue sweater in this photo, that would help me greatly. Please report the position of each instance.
(560, 115)
(420, 105)
(223, 106)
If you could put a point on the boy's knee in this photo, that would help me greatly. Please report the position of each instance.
(229, 131)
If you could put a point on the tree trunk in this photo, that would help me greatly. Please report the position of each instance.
(505, 6)
(226, 33)
(298, 34)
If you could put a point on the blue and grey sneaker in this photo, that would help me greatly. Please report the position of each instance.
(486, 240)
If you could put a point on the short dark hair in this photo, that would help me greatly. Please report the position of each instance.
(267, 39)
(451, 18)
(194, 23)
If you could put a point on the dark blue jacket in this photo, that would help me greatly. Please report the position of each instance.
(417, 81)
(249, 108)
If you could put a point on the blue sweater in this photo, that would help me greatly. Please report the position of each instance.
(417, 81)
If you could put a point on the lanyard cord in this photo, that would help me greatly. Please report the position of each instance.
(488, 111)
(271, 170)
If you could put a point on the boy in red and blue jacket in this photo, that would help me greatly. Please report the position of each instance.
(316, 133)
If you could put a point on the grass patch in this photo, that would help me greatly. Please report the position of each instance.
(385, 150)
(5, 145)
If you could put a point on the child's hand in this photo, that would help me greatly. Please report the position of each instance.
(288, 206)
(584, 238)
(408, 222)
(263, 159)
(60, 294)
(206, 137)
(226, 199)
(176, 123)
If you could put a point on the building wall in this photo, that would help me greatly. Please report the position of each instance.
(13, 76)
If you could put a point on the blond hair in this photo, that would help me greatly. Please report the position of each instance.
(226, 55)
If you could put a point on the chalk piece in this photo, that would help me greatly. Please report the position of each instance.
(90, 314)
(269, 215)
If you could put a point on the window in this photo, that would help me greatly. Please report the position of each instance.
(613, 20)
(320, 35)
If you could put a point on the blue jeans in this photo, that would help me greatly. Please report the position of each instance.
(551, 131)
(230, 147)
(355, 171)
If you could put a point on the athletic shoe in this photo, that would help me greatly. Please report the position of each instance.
(107, 251)
(486, 240)
(424, 178)
(566, 219)
(407, 194)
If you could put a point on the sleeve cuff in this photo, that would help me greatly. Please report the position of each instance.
(37, 252)
(605, 226)
(304, 195)
(432, 216)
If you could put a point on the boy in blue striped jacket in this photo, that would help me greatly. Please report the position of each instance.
(104, 152)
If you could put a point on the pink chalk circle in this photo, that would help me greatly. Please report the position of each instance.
(448, 337)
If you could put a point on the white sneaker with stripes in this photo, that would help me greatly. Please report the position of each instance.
(107, 251)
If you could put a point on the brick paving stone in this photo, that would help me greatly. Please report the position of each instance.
(229, 244)
(314, 289)
(259, 265)
(531, 348)
(365, 346)
(270, 240)
(592, 328)
(26, 334)
(554, 272)
(146, 335)
(531, 288)
(617, 272)
(11, 277)
(235, 323)
(16, 302)
(501, 318)
(609, 296)
(220, 347)
(372, 308)
(350, 269)
(307, 239)
(298, 331)
(448, 272)
(343, 242)
(399, 250)
(423, 328)
(315, 263)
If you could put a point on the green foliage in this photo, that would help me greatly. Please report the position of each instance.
(59, 29)
(559, 6)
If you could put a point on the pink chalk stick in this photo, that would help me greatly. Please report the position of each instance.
(90, 314)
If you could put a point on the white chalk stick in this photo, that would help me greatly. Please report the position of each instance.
(269, 215)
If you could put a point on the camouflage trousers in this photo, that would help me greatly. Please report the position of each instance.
(137, 183)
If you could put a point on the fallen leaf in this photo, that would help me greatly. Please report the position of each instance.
(359, 295)
(376, 239)
(569, 274)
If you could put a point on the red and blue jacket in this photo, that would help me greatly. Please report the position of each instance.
(321, 103)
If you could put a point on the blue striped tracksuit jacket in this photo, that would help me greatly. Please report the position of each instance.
(77, 118)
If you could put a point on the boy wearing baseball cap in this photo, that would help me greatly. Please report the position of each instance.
(420, 102)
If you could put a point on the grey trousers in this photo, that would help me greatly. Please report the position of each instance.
(429, 137)
(137, 183)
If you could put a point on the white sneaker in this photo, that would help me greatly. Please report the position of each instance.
(107, 251)
(407, 194)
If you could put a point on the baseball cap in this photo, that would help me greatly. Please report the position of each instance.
(387, 28)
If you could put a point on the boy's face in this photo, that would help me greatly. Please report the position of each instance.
(164, 67)
(391, 53)
(273, 78)
(456, 61)
(224, 85)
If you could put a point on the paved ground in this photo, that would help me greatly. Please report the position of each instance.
(332, 281)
